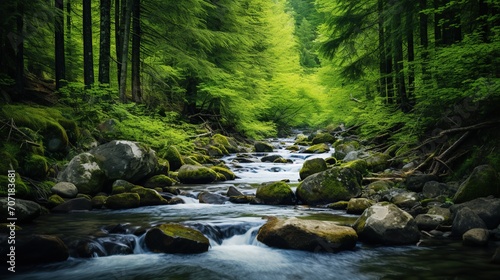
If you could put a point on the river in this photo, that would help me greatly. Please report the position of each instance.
(235, 253)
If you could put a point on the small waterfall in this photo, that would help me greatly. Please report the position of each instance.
(248, 238)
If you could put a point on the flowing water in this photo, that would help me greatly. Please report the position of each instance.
(234, 252)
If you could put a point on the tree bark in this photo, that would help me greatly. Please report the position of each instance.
(398, 64)
(105, 42)
(382, 50)
(424, 38)
(88, 58)
(136, 52)
(20, 49)
(125, 43)
(118, 39)
(411, 52)
(60, 60)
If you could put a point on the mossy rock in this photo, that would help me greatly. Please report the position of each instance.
(483, 181)
(263, 147)
(43, 119)
(35, 167)
(160, 181)
(54, 200)
(302, 140)
(339, 205)
(317, 149)
(36, 142)
(22, 190)
(379, 186)
(378, 162)
(8, 161)
(190, 160)
(123, 201)
(342, 148)
(331, 161)
(171, 153)
(277, 193)
(359, 165)
(311, 167)
(121, 186)
(228, 143)
(163, 167)
(176, 238)
(358, 205)
(334, 184)
(293, 148)
(216, 151)
(193, 174)
(228, 174)
(323, 138)
(99, 201)
(149, 197)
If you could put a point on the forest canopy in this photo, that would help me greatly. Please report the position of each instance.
(257, 67)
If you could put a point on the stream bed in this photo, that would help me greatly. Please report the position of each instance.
(235, 253)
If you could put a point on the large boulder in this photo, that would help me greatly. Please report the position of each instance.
(406, 200)
(433, 189)
(358, 205)
(263, 147)
(277, 193)
(176, 238)
(149, 197)
(123, 201)
(26, 210)
(75, 204)
(311, 167)
(476, 237)
(85, 173)
(228, 143)
(127, 160)
(484, 181)
(342, 149)
(159, 181)
(308, 235)
(317, 149)
(486, 208)
(465, 219)
(416, 182)
(329, 186)
(174, 158)
(194, 174)
(378, 161)
(428, 222)
(384, 223)
(38, 249)
(323, 138)
(65, 189)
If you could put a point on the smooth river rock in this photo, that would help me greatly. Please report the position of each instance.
(384, 223)
(308, 235)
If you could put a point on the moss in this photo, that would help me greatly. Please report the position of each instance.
(36, 167)
(8, 161)
(317, 149)
(190, 160)
(180, 231)
(171, 153)
(159, 181)
(54, 200)
(84, 196)
(229, 144)
(483, 181)
(311, 167)
(228, 174)
(276, 193)
(323, 138)
(339, 205)
(217, 151)
(99, 201)
(193, 174)
(22, 190)
(149, 196)
(123, 201)
(359, 165)
(41, 119)
(118, 189)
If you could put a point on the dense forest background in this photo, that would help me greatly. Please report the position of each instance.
(398, 71)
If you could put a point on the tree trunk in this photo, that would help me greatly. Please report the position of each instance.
(126, 34)
(411, 53)
(136, 52)
(437, 26)
(424, 38)
(398, 64)
(88, 58)
(60, 61)
(105, 42)
(382, 51)
(20, 49)
(118, 39)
